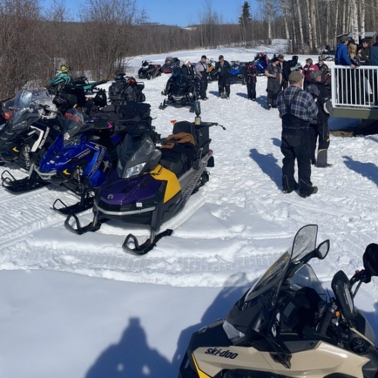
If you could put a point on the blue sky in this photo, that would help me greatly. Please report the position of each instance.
(175, 12)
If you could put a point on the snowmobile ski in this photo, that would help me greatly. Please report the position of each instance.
(26, 184)
(147, 246)
(84, 204)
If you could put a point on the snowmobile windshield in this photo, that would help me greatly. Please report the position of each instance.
(24, 103)
(134, 156)
(303, 244)
(259, 303)
(74, 126)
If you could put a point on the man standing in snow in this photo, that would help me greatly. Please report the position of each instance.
(296, 109)
(223, 68)
(201, 73)
(274, 75)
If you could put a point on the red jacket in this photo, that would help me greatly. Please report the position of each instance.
(307, 71)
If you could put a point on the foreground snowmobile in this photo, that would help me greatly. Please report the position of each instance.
(149, 70)
(284, 326)
(152, 185)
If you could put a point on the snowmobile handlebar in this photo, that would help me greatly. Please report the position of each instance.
(209, 124)
(327, 319)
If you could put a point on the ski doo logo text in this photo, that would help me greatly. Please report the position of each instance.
(221, 353)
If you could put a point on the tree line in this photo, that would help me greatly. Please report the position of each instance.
(34, 43)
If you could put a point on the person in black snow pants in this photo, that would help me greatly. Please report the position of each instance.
(251, 81)
(274, 74)
(319, 130)
(223, 68)
(296, 109)
(201, 73)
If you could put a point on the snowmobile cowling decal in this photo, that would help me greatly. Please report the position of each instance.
(221, 353)
(173, 185)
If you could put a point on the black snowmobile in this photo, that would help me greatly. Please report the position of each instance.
(151, 185)
(285, 327)
(26, 135)
(181, 90)
(149, 70)
(124, 89)
(169, 63)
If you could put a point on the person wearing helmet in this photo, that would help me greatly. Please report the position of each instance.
(59, 81)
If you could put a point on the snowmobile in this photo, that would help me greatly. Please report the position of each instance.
(85, 152)
(124, 89)
(149, 70)
(26, 135)
(169, 64)
(181, 90)
(328, 55)
(294, 65)
(238, 72)
(151, 185)
(284, 326)
(261, 61)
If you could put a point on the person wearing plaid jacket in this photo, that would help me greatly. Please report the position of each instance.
(296, 108)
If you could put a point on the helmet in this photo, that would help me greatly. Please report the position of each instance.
(63, 68)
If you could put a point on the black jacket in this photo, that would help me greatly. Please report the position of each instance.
(223, 70)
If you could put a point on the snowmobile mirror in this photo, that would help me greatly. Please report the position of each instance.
(322, 249)
(341, 288)
(370, 259)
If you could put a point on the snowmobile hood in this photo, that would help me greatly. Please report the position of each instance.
(123, 192)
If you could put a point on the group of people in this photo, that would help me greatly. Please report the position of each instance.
(304, 106)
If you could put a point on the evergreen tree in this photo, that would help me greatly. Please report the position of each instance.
(245, 17)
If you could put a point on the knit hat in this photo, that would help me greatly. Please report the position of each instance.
(345, 38)
(295, 77)
(280, 56)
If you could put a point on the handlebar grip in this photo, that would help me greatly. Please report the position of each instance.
(326, 321)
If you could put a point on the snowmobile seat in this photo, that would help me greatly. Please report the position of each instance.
(173, 161)
(178, 152)
(201, 133)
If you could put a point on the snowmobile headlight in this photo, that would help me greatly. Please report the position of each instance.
(135, 170)
(20, 126)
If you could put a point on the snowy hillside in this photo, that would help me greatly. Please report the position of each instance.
(56, 324)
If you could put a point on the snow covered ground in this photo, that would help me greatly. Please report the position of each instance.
(79, 307)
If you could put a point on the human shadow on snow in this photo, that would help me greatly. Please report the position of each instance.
(131, 357)
(368, 170)
(268, 164)
(233, 289)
